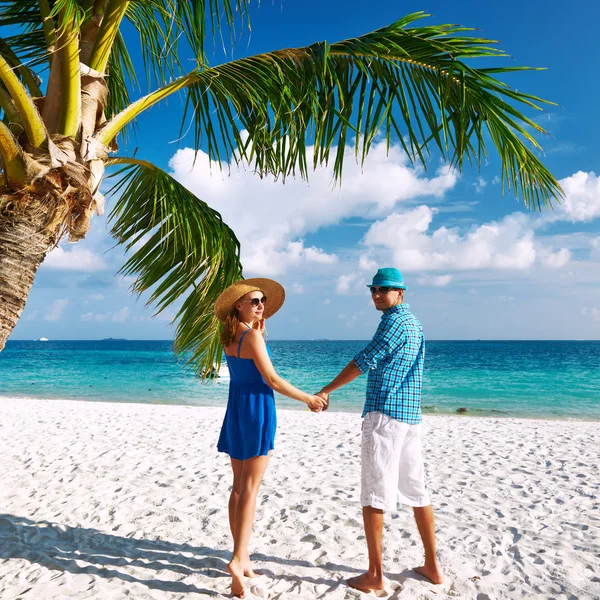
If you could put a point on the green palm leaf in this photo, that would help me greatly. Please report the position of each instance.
(121, 74)
(179, 247)
(412, 84)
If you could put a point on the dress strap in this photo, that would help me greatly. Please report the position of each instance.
(241, 339)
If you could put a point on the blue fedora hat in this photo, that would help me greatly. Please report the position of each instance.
(388, 277)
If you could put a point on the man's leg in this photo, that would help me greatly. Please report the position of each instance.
(426, 527)
(373, 578)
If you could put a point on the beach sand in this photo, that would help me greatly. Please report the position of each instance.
(115, 501)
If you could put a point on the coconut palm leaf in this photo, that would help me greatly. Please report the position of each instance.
(163, 24)
(121, 76)
(179, 248)
(414, 84)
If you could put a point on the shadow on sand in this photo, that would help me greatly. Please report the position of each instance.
(83, 550)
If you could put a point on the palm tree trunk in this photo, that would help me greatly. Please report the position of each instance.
(24, 243)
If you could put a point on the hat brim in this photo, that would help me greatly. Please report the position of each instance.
(270, 288)
(387, 283)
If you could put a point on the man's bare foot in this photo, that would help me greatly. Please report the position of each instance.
(236, 571)
(433, 573)
(366, 582)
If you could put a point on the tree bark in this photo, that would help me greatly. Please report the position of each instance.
(24, 243)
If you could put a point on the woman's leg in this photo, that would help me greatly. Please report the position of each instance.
(251, 477)
(237, 467)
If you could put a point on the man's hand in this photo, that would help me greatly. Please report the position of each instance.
(325, 397)
(316, 403)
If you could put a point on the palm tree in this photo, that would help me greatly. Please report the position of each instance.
(417, 85)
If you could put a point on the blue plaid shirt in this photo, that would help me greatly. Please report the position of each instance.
(394, 359)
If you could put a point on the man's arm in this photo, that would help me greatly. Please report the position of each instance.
(349, 373)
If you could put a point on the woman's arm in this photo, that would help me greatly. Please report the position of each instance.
(258, 350)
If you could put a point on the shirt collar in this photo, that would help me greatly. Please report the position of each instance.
(399, 308)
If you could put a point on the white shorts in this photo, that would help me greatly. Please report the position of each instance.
(392, 463)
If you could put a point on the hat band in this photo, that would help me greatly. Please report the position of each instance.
(388, 283)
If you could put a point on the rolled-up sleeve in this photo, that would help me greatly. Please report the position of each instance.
(388, 338)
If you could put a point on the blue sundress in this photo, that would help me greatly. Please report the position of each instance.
(250, 420)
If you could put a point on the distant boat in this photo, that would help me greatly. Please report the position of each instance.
(43, 339)
(221, 373)
(113, 340)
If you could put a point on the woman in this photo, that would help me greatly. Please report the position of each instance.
(248, 431)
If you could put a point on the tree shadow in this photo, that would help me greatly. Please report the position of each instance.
(62, 548)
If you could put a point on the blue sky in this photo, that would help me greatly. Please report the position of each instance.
(478, 265)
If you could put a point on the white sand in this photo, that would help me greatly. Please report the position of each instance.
(114, 501)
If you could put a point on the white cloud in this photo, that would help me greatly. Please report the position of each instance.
(297, 288)
(95, 297)
(436, 280)
(505, 244)
(480, 184)
(317, 255)
(556, 260)
(327, 301)
(366, 263)
(582, 199)
(270, 218)
(121, 316)
(345, 282)
(56, 309)
(593, 313)
(270, 257)
(75, 259)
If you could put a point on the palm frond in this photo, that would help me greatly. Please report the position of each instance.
(159, 32)
(163, 24)
(121, 74)
(179, 248)
(27, 39)
(412, 84)
(71, 11)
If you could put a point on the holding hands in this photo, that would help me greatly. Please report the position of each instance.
(316, 403)
(325, 396)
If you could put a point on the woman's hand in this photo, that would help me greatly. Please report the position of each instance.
(316, 403)
(260, 325)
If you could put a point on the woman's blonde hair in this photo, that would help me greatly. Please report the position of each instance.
(229, 327)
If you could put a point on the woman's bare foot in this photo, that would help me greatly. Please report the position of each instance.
(236, 571)
(250, 572)
(433, 573)
(366, 582)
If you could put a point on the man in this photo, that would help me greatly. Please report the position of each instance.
(392, 462)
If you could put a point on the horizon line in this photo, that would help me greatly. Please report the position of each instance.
(315, 340)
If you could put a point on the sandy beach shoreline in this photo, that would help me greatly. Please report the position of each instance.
(116, 501)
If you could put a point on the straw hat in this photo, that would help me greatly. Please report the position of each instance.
(271, 289)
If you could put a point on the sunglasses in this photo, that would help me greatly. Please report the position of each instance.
(256, 301)
(384, 289)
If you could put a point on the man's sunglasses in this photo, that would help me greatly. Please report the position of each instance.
(256, 301)
(384, 289)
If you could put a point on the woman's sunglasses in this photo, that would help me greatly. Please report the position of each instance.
(384, 289)
(256, 301)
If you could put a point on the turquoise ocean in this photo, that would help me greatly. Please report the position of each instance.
(544, 379)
